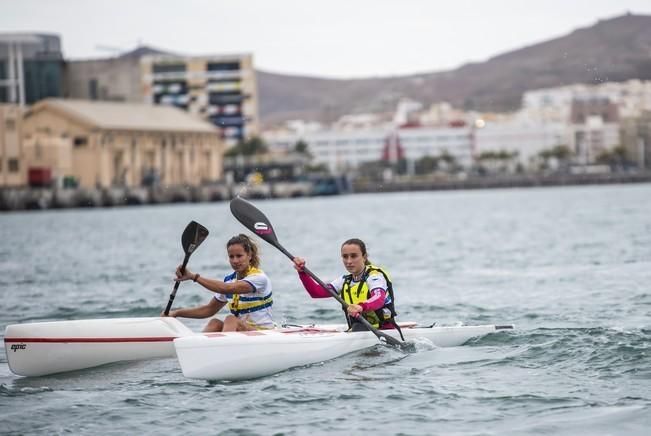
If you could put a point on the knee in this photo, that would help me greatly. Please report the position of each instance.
(214, 325)
(231, 323)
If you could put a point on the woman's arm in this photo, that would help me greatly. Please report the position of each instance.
(209, 309)
(313, 288)
(214, 285)
(377, 286)
(219, 287)
(375, 301)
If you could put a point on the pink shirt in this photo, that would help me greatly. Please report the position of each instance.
(375, 302)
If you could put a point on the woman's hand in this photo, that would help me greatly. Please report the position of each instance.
(299, 264)
(187, 275)
(172, 314)
(354, 310)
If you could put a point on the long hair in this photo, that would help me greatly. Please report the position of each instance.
(361, 245)
(249, 246)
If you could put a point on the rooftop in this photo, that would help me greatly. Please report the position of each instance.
(127, 116)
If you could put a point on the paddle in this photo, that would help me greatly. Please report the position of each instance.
(257, 222)
(192, 237)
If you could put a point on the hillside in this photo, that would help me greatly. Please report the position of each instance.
(615, 49)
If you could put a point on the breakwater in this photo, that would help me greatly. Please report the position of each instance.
(25, 198)
(491, 182)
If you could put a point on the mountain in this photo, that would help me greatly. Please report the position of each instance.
(615, 49)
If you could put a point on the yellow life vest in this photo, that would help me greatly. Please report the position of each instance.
(359, 292)
(240, 304)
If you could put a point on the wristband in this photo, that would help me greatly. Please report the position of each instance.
(196, 277)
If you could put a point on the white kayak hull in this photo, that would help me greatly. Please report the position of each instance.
(42, 348)
(247, 355)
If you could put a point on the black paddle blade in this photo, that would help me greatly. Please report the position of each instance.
(193, 236)
(253, 219)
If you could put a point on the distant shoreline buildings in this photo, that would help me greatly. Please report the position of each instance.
(588, 120)
(148, 118)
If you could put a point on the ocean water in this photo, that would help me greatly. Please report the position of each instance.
(570, 267)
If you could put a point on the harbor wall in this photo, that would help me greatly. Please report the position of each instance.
(501, 181)
(26, 198)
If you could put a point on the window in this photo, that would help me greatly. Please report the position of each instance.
(10, 124)
(169, 68)
(93, 89)
(13, 165)
(223, 66)
(80, 141)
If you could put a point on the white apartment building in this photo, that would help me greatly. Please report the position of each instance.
(528, 140)
(342, 150)
(585, 118)
(554, 104)
(550, 104)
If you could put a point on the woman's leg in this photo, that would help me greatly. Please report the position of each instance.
(214, 325)
(235, 324)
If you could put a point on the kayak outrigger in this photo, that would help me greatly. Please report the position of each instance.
(43, 348)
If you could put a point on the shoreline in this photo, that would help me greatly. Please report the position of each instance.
(497, 182)
(26, 199)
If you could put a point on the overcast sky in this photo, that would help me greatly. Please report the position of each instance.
(326, 38)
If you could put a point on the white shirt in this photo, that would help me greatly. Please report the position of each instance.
(261, 290)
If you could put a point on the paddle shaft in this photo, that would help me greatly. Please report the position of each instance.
(254, 220)
(391, 340)
(176, 285)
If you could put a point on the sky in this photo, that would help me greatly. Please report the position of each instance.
(320, 38)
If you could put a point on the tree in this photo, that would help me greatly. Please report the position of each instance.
(496, 160)
(250, 147)
(301, 147)
(561, 153)
(615, 157)
(427, 165)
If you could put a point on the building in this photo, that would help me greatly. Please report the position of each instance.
(624, 99)
(11, 173)
(525, 140)
(592, 138)
(220, 89)
(112, 79)
(583, 108)
(104, 144)
(31, 67)
(343, 150)
(636, 139)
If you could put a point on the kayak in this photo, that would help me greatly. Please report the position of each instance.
(43, 348)
(245, 355)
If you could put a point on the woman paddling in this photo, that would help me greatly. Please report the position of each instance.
(367, 289)
(247, 290)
